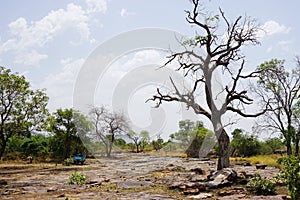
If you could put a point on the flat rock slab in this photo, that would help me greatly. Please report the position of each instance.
(276, 197)
(201, 196)
(233, 197)
(133, 184)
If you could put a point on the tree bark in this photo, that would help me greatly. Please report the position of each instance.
(2, 149)
(224, 153)
(289, 151)
(297, 142)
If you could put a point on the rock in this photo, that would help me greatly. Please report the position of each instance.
(198, 170)
(201, 196)
(172, 167)
(260, 166)
(95, 181)
(221, 178)
(188, 185)
(247, 164)
(133, 184)
(276, 197)
(189, 191)
(242, 178)
(233, 197)
(3, 182)
(197, 178)
(176, 185)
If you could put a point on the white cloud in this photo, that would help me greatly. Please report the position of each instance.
(125, 13)
(29, 36)
(60, 86)
(96, 6)
(272, 27)
(39, 33)
(29, 58)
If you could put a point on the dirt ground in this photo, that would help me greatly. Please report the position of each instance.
(125, 176)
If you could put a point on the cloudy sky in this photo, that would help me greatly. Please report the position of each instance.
(50, 42)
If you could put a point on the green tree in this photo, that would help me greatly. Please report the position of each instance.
(36, 146)
(243, 144)
(68, 126)
(158, 143)
(275, 144)
(120, 142)
(22, 110)
(139, 139)
(191, 136)
(296, 120)
(221, 53)
(186, 132)
(202, 142)
(279, 89)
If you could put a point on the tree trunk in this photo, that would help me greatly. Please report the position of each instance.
(109, 149)
(2, 149)
(297, 147)
(3, 142)
(289, 149)
(297, 142)
(223, 154)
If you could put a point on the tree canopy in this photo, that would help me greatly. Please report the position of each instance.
(279, 89)
(22, 110)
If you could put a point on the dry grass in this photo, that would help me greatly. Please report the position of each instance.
(270, 160)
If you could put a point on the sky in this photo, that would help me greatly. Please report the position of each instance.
(53, 43)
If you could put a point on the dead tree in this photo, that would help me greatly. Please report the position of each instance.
(222, 53)
(107, 125)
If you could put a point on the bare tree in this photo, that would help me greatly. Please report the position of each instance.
(281, 89)
(108, 125)
(222, 53)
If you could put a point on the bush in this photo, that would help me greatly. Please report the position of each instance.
(261, 186)
(78, 179)
(68, 161)
(291, 175)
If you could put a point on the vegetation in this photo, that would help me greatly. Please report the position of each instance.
(140, 139)
(76, 178)
(68, 127)
(261, 186)
(245, 145)
(279, 89)
(107, 125)
(158, 143)
(291, 175)
(22, 110)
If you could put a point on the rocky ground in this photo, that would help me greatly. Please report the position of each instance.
(131, 176)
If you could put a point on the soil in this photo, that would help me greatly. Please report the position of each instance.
(124, 176)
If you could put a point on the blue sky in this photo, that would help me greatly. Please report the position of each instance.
(49, 41)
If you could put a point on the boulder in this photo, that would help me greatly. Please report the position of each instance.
(221, 178)
(260, 166)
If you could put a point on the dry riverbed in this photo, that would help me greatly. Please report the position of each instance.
(125, 176)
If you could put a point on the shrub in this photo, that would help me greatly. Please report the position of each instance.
(261, 186)
(291, 175)
(78, 179)
(68, 161)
